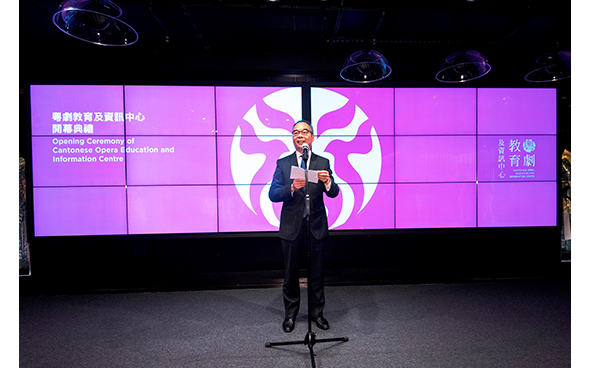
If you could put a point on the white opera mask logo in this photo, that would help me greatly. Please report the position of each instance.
(367, 165)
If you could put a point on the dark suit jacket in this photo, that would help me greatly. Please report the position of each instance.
(292, 211)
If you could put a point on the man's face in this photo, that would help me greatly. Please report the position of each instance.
(303, 134)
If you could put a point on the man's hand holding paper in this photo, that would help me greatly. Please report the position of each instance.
(324, 177)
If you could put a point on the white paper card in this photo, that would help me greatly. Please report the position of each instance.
(299, 173)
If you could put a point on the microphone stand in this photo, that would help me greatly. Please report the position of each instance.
(310, 339)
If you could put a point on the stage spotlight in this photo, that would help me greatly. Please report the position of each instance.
(365, 66)
(556, 66)
(94, 21)
(463, 66)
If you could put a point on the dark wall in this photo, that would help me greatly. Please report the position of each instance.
(105, 264)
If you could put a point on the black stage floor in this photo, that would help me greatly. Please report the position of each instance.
(517, 323)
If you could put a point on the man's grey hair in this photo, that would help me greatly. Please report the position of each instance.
(303, 121)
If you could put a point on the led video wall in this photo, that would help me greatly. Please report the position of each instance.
(199, 159)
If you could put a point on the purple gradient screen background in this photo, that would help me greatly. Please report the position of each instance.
(178, 159)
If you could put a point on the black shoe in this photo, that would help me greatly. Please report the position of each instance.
(288, 324)
(322, 323)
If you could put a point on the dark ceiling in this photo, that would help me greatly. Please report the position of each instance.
(295, 41)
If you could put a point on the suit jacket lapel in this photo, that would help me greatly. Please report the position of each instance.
(293, 159)
(313, 162)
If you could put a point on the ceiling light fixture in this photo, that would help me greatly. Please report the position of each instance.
(94, 21)
(556, 66)
(365, 66)
(463, 66)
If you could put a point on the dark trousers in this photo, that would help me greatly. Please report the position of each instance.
(295, 258)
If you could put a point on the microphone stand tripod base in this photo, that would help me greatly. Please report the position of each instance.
(310, 340)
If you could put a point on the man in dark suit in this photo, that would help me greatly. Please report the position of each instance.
(292, 225)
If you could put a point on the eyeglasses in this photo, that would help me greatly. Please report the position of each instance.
(303, 132)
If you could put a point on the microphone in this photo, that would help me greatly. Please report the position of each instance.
(305, 149)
